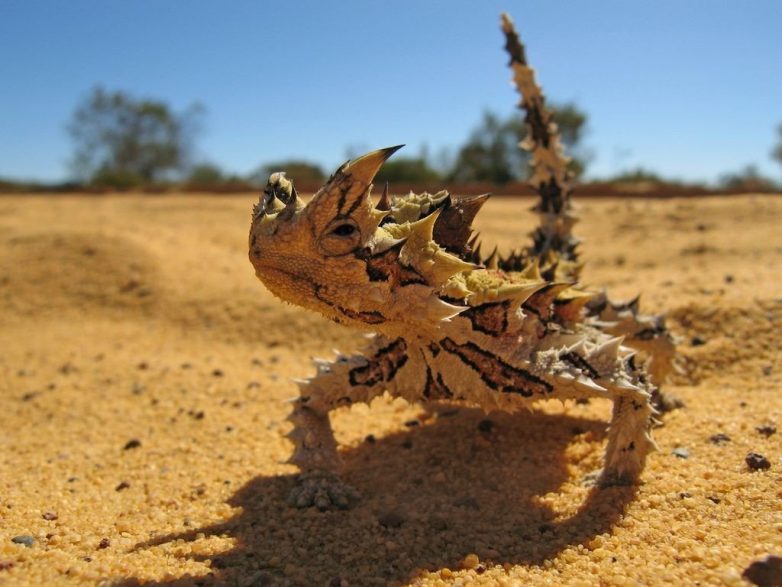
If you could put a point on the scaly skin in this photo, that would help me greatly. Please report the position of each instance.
(448, 324)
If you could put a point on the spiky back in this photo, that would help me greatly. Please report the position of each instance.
(499, 284)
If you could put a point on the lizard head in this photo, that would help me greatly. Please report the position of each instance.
(310, 255)
(383, 267)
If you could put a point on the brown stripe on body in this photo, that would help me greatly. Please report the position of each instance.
(435, 388)
(370, 317)
(581, 363)
(495, 372)
(489, 318)
(382, 367)
(386, 267)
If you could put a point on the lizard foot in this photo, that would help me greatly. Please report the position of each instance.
(323, 492)
(613, 478)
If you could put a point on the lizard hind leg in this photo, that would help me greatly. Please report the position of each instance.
(629, 440)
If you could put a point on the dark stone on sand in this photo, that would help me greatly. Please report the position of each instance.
(25, 539)
(757, 462)
(765, 572)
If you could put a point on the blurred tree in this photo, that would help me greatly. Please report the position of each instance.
(294, 169)
(492, 153)
(776, 153)
(124, 141)
(206, 174)
(639, 174)
(746, 180)
(410, 169)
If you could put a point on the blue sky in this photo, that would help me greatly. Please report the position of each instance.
(691, 89)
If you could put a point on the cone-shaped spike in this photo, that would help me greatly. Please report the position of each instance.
(541, 302)
(424, 228)
(366, 167)
(477, 252)
(492, 261)
(532, 271)
(609, 349)
(590, 385)
(384, 203)
(519, 292)
(454, 227)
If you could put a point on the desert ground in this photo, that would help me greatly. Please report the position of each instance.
(144, 374)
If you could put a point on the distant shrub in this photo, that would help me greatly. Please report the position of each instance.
(116, 179)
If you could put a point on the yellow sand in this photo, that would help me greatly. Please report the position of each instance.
(138, 318)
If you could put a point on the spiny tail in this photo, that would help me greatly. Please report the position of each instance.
(553, 242)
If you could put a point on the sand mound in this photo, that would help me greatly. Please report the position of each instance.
(54, 272)
(718, 340)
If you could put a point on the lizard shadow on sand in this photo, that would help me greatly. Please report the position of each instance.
(431, 495)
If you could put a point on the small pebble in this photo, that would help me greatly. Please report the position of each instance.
(370, 438)
(123, 485)
(132, 443)
(49, 516)
(217, 373)
(412, 423)
(486, 426)
(468, 502)
(714, 499)
(757, 462)
(391, 519)
(681, 452)
(765, 572)
(104, 543)
(766, 430)
(142, 366)
(697, 341)
(25, 539)
(719, 439)
(5, 565)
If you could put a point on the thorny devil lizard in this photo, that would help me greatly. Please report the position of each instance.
(447, 323)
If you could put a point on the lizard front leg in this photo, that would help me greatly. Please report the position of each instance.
(349, 379)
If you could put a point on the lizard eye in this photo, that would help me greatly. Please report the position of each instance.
(344, 230)
(341, 237)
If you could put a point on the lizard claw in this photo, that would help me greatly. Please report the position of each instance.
(324, 492)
